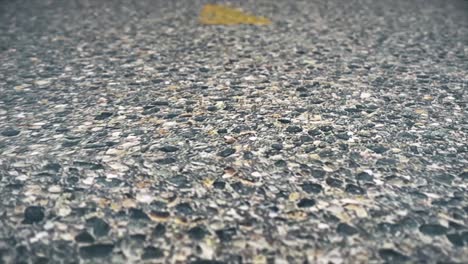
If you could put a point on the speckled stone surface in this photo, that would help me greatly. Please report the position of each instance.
(132, 134)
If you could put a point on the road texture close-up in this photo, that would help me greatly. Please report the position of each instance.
(315, 132)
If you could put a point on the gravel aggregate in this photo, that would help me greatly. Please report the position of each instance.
(130, 133)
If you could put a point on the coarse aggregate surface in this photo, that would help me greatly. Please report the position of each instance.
(130, 133)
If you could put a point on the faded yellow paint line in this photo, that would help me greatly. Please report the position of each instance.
(223, 15)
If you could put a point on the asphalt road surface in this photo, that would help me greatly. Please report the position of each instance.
(131, 133)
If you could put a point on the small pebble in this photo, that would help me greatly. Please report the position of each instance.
(392, 256)
(96, 251)
(99, 226)
(166, 161)
(159, 230)
(169, 148)
(197, 233)
(277, 146)
(152, 253)
(10, 132)
(84, 237)
(306, 202)
(345, 229)
(364, 176)
(311, 187)
(293, 129)
(354, 189)
(34, 214)
(226, 152)
(55, 189)
(103, 116)
(433, 229)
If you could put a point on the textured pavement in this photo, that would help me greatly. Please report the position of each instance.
(130, 133)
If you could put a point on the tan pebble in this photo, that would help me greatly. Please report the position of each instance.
(229, 139)
(55, 189)
(229, 172)
(64, 211)
(294, 196)
(128, 203)
(159, 216)
(115, 207)
(208, 182)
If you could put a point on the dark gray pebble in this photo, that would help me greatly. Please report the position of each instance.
(212, 108)
(10, 132)
(280, 163)
(326, 128)
(96, 251)
(197, 233)
(138, 214)
(84, 237)
(159, 230)
(333, 182)
(311, 187)
(456, 239)
(99, 226)
(169, 148)
(314, 132)
(392, 256)
(160, 103)
(152, 253)
(293, 129)
(226, 152)
(433, 229)
(277, 146)
(306, 202)
(166, 161)
(318, 173)
(379, 149)
(226, 235)
(184, 208)
(346, 230)
(103, 116)
(34, 214)
(364, 176)
(219, 184)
